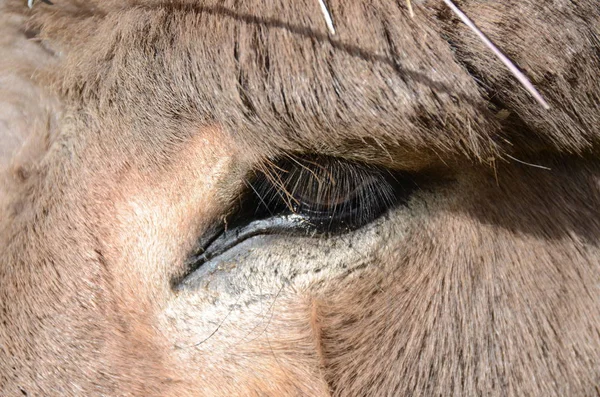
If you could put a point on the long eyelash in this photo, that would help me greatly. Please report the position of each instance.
(260, 197)
(274, 187)
(331, 188)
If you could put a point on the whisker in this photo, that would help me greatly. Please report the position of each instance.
(213, 333)
(507, 62)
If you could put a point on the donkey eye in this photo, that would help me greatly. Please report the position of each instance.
(329, 195)
(315, 196)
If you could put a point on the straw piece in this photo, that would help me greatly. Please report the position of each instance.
(327, 15)
(410, 9)
(509, 64)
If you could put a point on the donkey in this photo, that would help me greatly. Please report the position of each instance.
(299, 198)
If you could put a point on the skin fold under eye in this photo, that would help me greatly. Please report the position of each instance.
(313, 196)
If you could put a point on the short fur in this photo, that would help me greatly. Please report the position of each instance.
(127, 129)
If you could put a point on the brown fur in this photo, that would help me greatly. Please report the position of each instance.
(127, 129)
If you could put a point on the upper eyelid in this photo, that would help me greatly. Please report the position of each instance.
(333, 173)
(365, 181)
(345, 180)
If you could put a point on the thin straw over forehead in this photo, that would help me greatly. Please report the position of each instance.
(273, 76)
(271, 73)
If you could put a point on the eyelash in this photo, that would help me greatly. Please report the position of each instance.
(332, 195)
